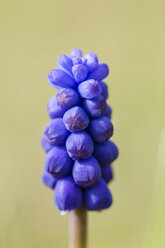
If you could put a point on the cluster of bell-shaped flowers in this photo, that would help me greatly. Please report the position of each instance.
(79, 153)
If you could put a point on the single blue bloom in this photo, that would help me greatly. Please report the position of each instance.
(101, 129)
(67, 98)
(89, 89)
(108, 112)
(57, 162)
(95, 107)
(91, 61)
(107, 174)
(53, 108)
(60, 79)
(65, 63)
(67, 195)
(79, 145)
(76, 53)
(86, 172)
(48, 179)
(98, 197)
(104, 90)
(100, 72)
(105, 153)
(45, 144)
(76, 119)
(80, 72)
(56, 132)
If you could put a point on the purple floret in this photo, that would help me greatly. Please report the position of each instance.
(107, 174)
(48, 179)
(76, 53)
(104, 89)
(57, 162)
(95, 107)
(80, 72)
(76, 119)
(67, 98)
(45, 144)
(105, 153)
(56, 132)
(67, 195)
(65, 63)
(98, 197)
(60, 79)
(91, 61)
(54, 110)
(99, 73)
(90, 89)
(86, 172)
(79, 145)
(101, 129)
(108, 112)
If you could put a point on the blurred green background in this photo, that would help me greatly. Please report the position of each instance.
(129, 36)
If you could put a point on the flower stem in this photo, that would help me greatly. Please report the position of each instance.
(78, 228)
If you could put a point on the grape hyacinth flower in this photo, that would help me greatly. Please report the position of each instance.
(79, 154)
(76, 140)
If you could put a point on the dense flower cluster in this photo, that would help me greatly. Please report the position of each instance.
(79, 153)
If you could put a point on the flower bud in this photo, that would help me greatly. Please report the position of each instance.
(53, 109)
(56, 132)
(77, 60)
(107, 174)
(105, 153)
(79, 72)
(65, 63)
(57, 162)
(67, 195)
(45, 144)
(99, 73)
(67, 98)
(108, 112)
(60, 79)
(86, 172)
(75, 119)
(79, 145)
(89, 89)
(101, 129)
(48, 179)
(98, 197)
(91, 61)
(104, 89)
(96, 106)
(76, 53)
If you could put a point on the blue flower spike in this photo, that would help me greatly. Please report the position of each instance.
(79, 154)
